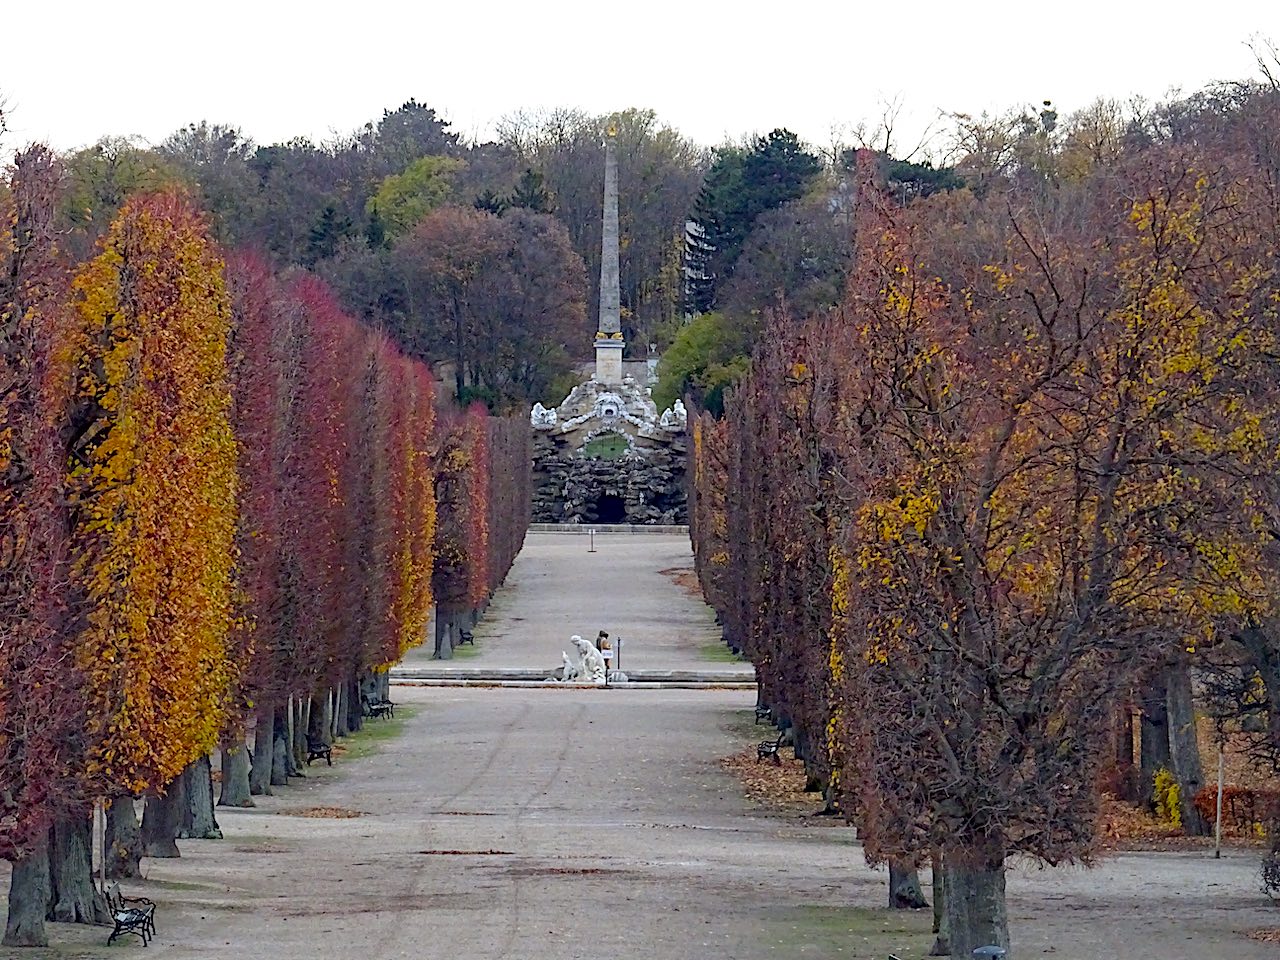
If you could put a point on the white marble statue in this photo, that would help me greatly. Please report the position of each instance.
(591, 664)
(675, 418)
(542, 418)
(569, 671)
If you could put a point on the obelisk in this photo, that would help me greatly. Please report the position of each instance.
(609, 342)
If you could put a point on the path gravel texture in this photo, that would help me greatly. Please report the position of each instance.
(549, 823)
(540, 824)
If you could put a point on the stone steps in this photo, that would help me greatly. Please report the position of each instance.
(583, 529)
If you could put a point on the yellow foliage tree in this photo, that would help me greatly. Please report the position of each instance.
(152, 483)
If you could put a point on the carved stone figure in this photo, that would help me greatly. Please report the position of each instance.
(542, 418)
(569, 670)
(675, 418)
(592, 667)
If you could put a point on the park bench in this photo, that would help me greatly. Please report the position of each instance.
(379, 709)
(136, 915)
(466, 636)
(318, 750)
(763, 713)
(770, 748)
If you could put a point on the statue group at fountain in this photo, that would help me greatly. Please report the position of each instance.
(588, 666)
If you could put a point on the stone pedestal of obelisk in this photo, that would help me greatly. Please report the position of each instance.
(609, 341)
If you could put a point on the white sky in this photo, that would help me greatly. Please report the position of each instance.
(73, 71)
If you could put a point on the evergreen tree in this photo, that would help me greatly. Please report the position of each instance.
(740, 185)
(532, 193)
(325, 235)
(492, 202)
(375, 231)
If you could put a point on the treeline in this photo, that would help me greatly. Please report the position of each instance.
(476, 256)
(1019, 483)
(482, 257)
(227, 508)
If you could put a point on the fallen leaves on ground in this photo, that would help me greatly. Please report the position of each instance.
(1122, 826)
(778, 785)
(1265, 934)
(685, 578)
(322, 813)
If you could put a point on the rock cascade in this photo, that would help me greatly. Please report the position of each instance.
(570, 488)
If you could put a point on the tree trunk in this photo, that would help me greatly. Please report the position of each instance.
(1126, 781)
(1154, 749)
(29, 890)
(340, 726)
(301, 724)
(444, 635)
(124, 841)
(320, 719)
(73, 898)
(260, 772)
(198, 821)
(904, 888)
(280, 747)
(162, 820)
(976, 914)
(235, 790)
(1122, 733)
(801, 745)
(941, 941)
(292, 764)
(1184, 748)
(355, 707)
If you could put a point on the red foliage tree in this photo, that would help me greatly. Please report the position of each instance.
(41, 708)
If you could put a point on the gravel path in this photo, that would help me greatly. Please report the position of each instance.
(540, 824)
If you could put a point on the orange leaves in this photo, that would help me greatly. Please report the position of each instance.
(483, 511)
(153, 487)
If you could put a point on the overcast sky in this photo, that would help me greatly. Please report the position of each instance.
(75, 70)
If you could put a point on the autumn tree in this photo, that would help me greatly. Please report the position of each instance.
(482, 488)
(1052, 474)
(500, 299)
(264, 374)
(151, 488)
(1040, 468)
(404, 198)
(42, 691)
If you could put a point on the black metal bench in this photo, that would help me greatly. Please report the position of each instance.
(770, 748)
(380, 709)
(135, 915)
(763, 713)
(318, 750)
(466, 636)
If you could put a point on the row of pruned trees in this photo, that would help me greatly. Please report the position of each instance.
(222, 506)
(1025, 468)
(483, 488)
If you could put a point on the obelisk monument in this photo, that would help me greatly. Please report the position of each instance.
(609, 341)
